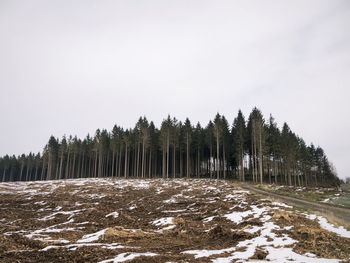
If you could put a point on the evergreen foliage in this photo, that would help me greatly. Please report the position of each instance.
(254, 150)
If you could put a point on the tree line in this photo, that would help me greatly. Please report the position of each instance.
(248, 150)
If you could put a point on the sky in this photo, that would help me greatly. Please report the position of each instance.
(70, 67)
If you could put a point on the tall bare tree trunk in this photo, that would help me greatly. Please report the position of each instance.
(143, 161)
(150, 162)
(20, 175)
(126, 160)
(49, 167)
(95, 166)
(79, 166)
(27, 172)
(167, 157)
(187, 158)
(36, 172)
(198, 163)
(210, 159)
(119, 161)
(242, 166)
(181, 164)
(4, 175)
(224, 159)
(43, 169)
(113, 162)
(83, 170)
(73, 168)
(138, 160)
(61, 164)
(260, 156)
(217, 156)
(174, 161)
(163, 161)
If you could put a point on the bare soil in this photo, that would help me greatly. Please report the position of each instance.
(34, 216)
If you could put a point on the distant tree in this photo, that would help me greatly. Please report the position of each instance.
(257, 139)
(217, 134)
(52, 157)
(226, 142)
(239, 137)
(188, 138)
(273, 148)
(209, 139)
(62, 151)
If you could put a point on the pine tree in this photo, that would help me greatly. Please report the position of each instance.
(217, 134)
(188, 138)
(239, 135)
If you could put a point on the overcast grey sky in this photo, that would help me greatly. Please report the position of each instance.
(70, 67)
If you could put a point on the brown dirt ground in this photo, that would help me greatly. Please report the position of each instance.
(23, 206)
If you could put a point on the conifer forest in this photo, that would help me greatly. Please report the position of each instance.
(252, 149)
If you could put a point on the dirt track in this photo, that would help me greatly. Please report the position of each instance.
(99, 220)
(339, 215)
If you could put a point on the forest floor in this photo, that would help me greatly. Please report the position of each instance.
(175, 220)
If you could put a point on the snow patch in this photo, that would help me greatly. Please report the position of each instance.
(281, 204)
(208, 219)
(75, 246)
(92, 237)
(207, 253)
(113, 214)
(163, 221)
(237, 217)
(340, 231)
(127, 256)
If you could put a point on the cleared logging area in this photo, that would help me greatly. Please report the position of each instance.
(176, 220)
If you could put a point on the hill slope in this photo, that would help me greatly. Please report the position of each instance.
(195, 220)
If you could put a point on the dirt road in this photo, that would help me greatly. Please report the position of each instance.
(339, 215)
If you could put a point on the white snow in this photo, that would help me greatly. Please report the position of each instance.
(127, 256)
(53, 215)
(273, 244)
(92, 237)
(50, 230)
(93, 196)
(40, 203)
(207, 253)
(165, 228)
(287, 255)
(113, 214)
(237, 217)
(48, 239)
(340, 231)
(277, 255)
(266, 238)
(253, 229)
(168, 222)
(132, 207)
(281, 204)
(75, 246)
(173, 199)
(83, 223)
(163, 221)
(208, 219)
(175, 211)
(41, 234)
